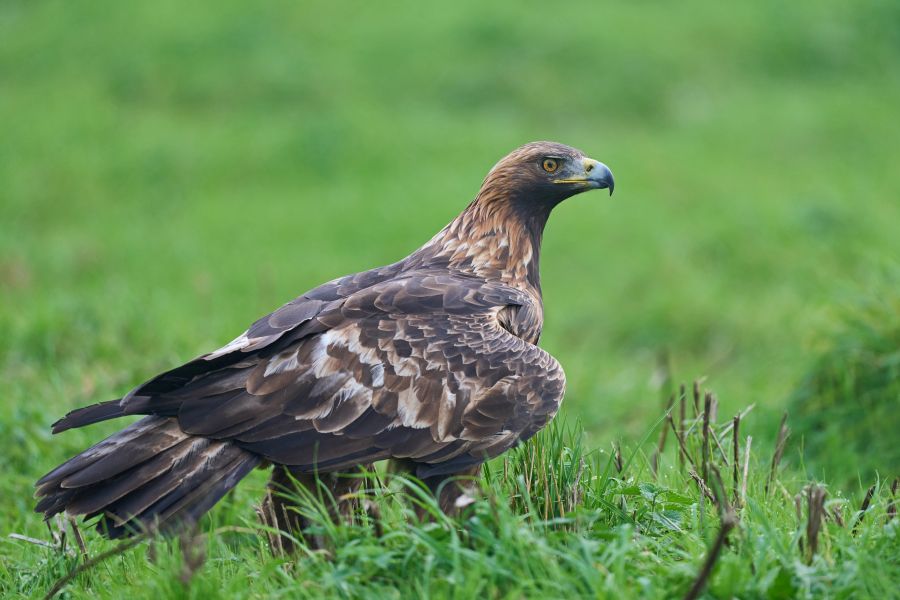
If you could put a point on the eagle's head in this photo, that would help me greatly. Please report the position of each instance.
(542, 174)
(498, 235)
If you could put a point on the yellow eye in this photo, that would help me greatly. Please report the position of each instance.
(550, 165)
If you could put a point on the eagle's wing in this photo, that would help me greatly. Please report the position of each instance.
(294, 320)
(421, 367)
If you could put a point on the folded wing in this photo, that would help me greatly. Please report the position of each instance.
(418, 367)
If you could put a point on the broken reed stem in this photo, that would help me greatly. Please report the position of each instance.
(696, 398)
(76, 533)
(736, 457)
(727, 429)
(268, 518)
(50, 530)
(722, 452)
(836, 515)
(121, 548)
(60, 534)
(783, 433)
(193, 553)
(682, 400)
(684, 453)
(617, 457)
(892, 505)
(865, 506)
(815, 503)
(721, 495)
(728, 522)
(31, 540)
(707, 406)
(798, 511)
(701, 485)
(746, 469)
(661, 444)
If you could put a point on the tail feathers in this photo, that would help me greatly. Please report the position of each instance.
(95, 498)
(90, 415)
(151, 472)
(187, 503)
(114, 454)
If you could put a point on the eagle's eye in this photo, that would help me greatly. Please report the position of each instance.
(550, 165)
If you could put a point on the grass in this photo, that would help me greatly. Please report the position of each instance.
(554, 520)
(168, 173)
(847, 402)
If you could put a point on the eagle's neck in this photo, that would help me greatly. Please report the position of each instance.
(494, 238)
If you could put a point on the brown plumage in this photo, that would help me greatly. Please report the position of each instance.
(431, 361)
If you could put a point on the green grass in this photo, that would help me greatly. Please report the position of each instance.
(168, 173)
(848, 401)
(554, 520)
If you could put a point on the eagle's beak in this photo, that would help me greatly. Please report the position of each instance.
(596, 175)
(599, 175)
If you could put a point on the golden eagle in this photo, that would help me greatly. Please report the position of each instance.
(431, 361)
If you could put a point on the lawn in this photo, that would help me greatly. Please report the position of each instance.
(168, 173)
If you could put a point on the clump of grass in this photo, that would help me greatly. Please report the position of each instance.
(847, 408)
(553, 519)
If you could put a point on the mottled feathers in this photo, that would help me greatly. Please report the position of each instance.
(432, 360)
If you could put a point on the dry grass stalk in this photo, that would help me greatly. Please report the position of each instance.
(682, 400)
(815, 501)
(373, 512)
(684, 452)
(59, 534)
(746, 469)
(617, 457)
(729, 520)
(837, 515)
(736, 458)
(715, 438)
(661, 444)
(31, 540)
(696, 398)
(865, 506)
(76, 533)
(892, 505)
(721, 495)
(120, 549)
(704, 456)
(193, 552)
(728, 426)
(266, 514)
(701, 485)
(713, 556)
(783, 433)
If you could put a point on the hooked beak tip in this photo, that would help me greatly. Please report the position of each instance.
(602, 176)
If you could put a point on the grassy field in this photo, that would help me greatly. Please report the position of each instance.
(555, 520)
(168, 173)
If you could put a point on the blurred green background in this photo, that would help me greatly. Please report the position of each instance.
(170, 171)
